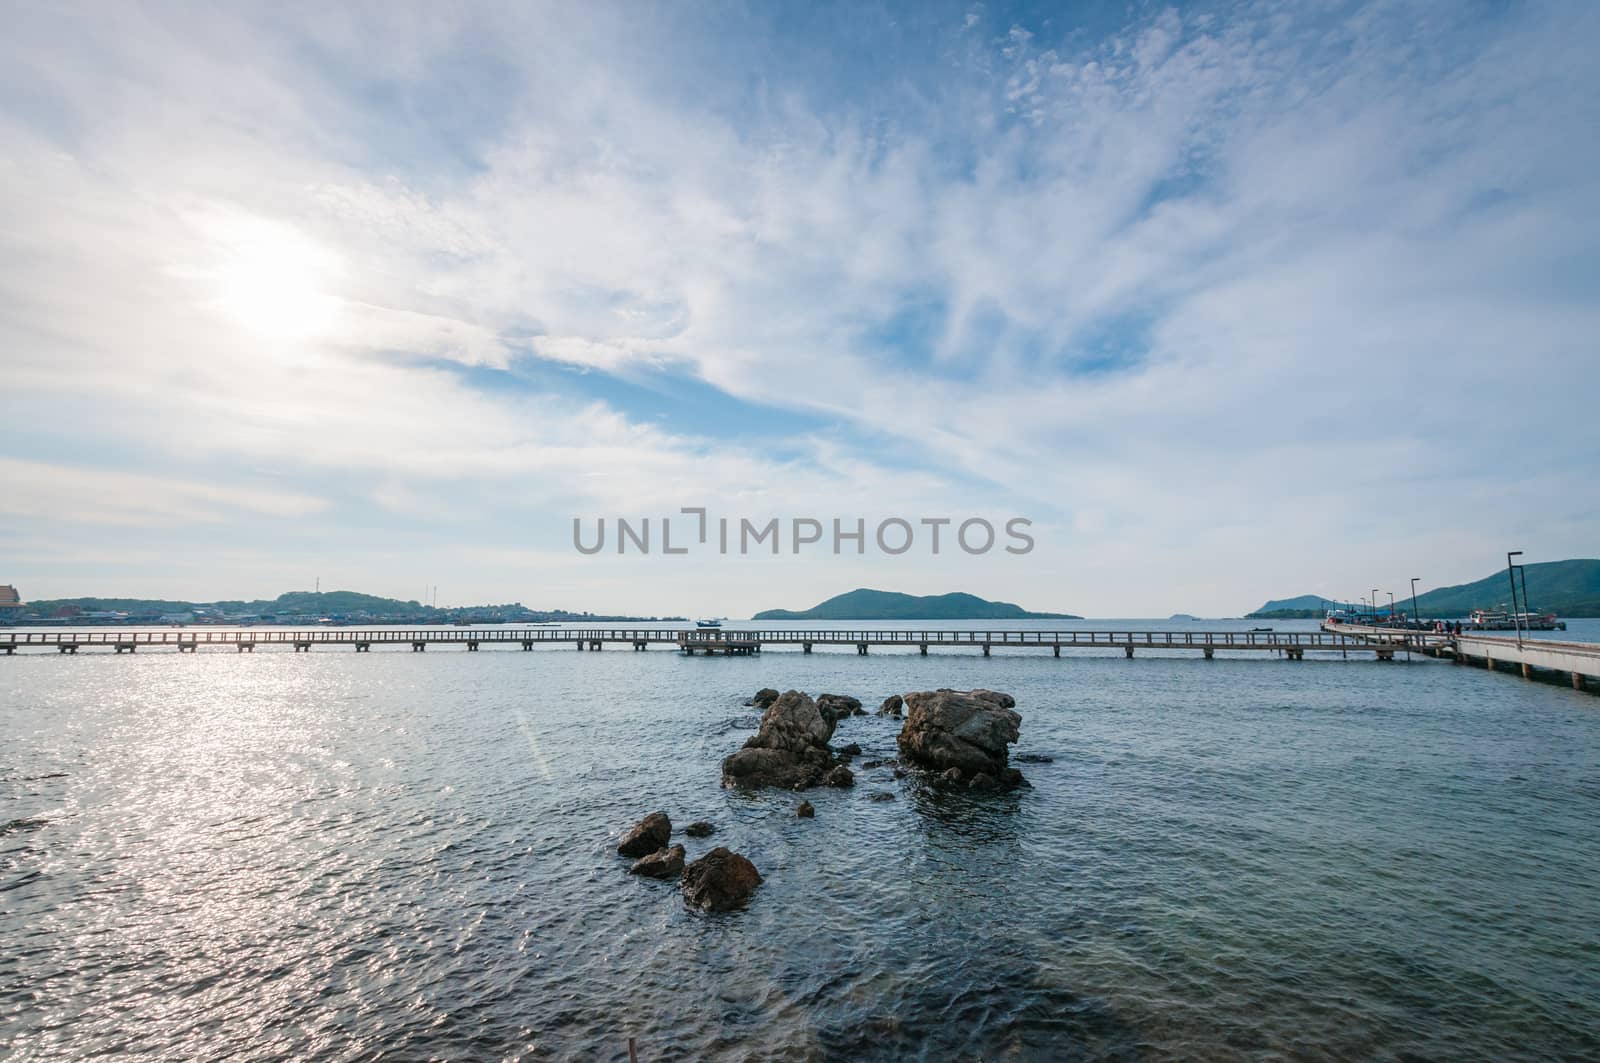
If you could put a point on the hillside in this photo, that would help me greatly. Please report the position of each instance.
(866, 604)
(1570, 588)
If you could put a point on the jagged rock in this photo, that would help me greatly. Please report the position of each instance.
(649, 834)
(851, 750)
(970, 731)
(838, 706)
(789, 751)
(892, 705)
(764, 697)
(1033, 758)
(663, 863)
(805, 811)
(719, 880)
(881, 795)
(840, 777)
(700, 829)
(951, 775)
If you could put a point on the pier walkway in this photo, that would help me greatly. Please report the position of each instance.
(1291, 645)
(1578, 660)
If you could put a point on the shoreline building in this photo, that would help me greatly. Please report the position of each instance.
(10, 602)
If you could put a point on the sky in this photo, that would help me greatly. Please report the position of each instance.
(1230, 301)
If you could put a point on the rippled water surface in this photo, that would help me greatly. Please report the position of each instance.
(412, 855)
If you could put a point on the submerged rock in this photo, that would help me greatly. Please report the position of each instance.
(805, 811)
(663, 863)
(851, 750)
(700, 829)
(719, 880)
(790, 750)
(1034, 758)
(969, 732)
(649, 834)
(839, 706)
(892, 705)
(840, 777)
(881, 795)
(764, 697)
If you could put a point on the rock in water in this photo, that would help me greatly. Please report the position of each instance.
(648, 835)
(790, 750)
(764, 697)
(663, 863)
(851, 750)
(805, 811)
(970, 731)
(892, 705)
(719, 880)
(882, 795)
(699, 829)
(840, 777)
(838, 706)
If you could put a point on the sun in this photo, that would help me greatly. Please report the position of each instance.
(273, 280)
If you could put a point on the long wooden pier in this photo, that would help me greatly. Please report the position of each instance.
(1291, 645)
(1580, 661)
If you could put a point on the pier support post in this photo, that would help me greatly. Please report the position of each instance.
(805, 647)
(923, 648)
(1527, 670)
(1488, 662)
(472, 647)
(363, 647)
(861, 648)
(1577, 680)
(580, 644)
(1057, 649)
(68, 647)
(418, 647)
(1129, 651)
(527, 645)
(986, 649)
(1210, 652)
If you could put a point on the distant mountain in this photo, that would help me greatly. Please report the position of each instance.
(1570, 588)
(865, 604)
(337, 604)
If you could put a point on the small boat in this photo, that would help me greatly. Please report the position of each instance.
(708, 623)
(1256, 629)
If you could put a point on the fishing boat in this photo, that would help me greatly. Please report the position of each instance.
(708, 623)
(1500, 620)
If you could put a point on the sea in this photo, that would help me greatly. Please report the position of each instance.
(397, 855)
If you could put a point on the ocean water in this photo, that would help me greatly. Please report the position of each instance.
(410, 856)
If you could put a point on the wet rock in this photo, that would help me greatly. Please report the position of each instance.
(951, 775)
(700, 829)
(648, 835)
(881, 795)
(764, 697)
(1013, 777)
(900, 773)
(981, 781)
(969, 730)
(868, 765)
(892, 705)
(719, 880)
(1033, 758)
(851, 750)
(840, 777)
(789, 751)
(663, 863)
(838, 706)
(805, 811)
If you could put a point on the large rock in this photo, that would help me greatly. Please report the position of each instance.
(892, 705)
(966, 730)
(790, 750)
(648, 835)
(839, 706)
(719, 880)
(663, 863)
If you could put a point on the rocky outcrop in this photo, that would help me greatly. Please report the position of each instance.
(649, 834)
(838, 706)
(961, 734)
(790, 750)
(719, 880)
(764, 697)
(663, 863)
(851, 750)
(840, 777)
(893, 705)
(700, 829)
(805, 811)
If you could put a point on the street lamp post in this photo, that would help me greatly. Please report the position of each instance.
(1391, 605)
(1511, 574)
(1416, 616)
(1374, 606)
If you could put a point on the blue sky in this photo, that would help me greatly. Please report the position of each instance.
(1233, 301)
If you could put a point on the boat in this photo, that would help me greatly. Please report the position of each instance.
(708, 623)
(1254, 630)
(1500, 620)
